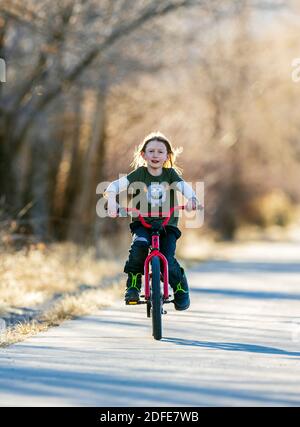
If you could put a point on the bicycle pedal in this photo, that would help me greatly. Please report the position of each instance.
(135, 302)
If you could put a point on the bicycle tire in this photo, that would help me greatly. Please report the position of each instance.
(156, 300)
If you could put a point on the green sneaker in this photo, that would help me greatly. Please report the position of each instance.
(181, 294)
(181, 298)
(133, 287)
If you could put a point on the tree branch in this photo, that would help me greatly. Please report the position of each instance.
(116, 35)
(56, 38)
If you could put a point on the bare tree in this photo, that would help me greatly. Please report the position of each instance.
(71, 48)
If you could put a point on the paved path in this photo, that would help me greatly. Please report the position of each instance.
(238, 344)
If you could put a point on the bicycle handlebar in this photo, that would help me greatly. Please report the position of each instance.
(161, 214)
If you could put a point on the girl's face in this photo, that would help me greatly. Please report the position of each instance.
(155, 154)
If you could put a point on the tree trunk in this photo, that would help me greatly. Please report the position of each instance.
(36, 190)
(84, 211)
(6, 169)
(73, 180)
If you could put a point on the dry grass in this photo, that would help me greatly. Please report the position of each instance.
(21, 331)
(86, 303)
(68, 307)
(58, 282)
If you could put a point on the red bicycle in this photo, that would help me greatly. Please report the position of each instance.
(154, 297)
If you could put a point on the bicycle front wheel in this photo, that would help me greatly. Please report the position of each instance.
(156, 299)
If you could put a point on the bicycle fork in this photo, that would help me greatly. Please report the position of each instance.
(156, 252)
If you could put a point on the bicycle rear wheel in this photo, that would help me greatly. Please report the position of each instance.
(156, 299)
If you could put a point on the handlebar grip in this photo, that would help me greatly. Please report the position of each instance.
(122, 212)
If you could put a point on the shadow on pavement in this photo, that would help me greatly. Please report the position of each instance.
(228, 346)
(223, 266)
(248, 294)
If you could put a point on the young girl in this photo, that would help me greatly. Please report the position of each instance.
(155, 171)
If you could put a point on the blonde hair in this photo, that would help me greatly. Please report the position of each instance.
(171, 151)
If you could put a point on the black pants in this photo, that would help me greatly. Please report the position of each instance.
(139, 250)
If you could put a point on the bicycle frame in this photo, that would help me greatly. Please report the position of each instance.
(153, 296)
(155, 251)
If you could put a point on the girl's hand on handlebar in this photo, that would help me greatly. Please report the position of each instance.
(192, 204)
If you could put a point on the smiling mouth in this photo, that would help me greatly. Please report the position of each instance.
(155, 161)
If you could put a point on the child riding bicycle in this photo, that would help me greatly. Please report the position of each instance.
(155, 180)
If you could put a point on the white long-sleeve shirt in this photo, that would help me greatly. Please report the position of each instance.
(123, 183)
